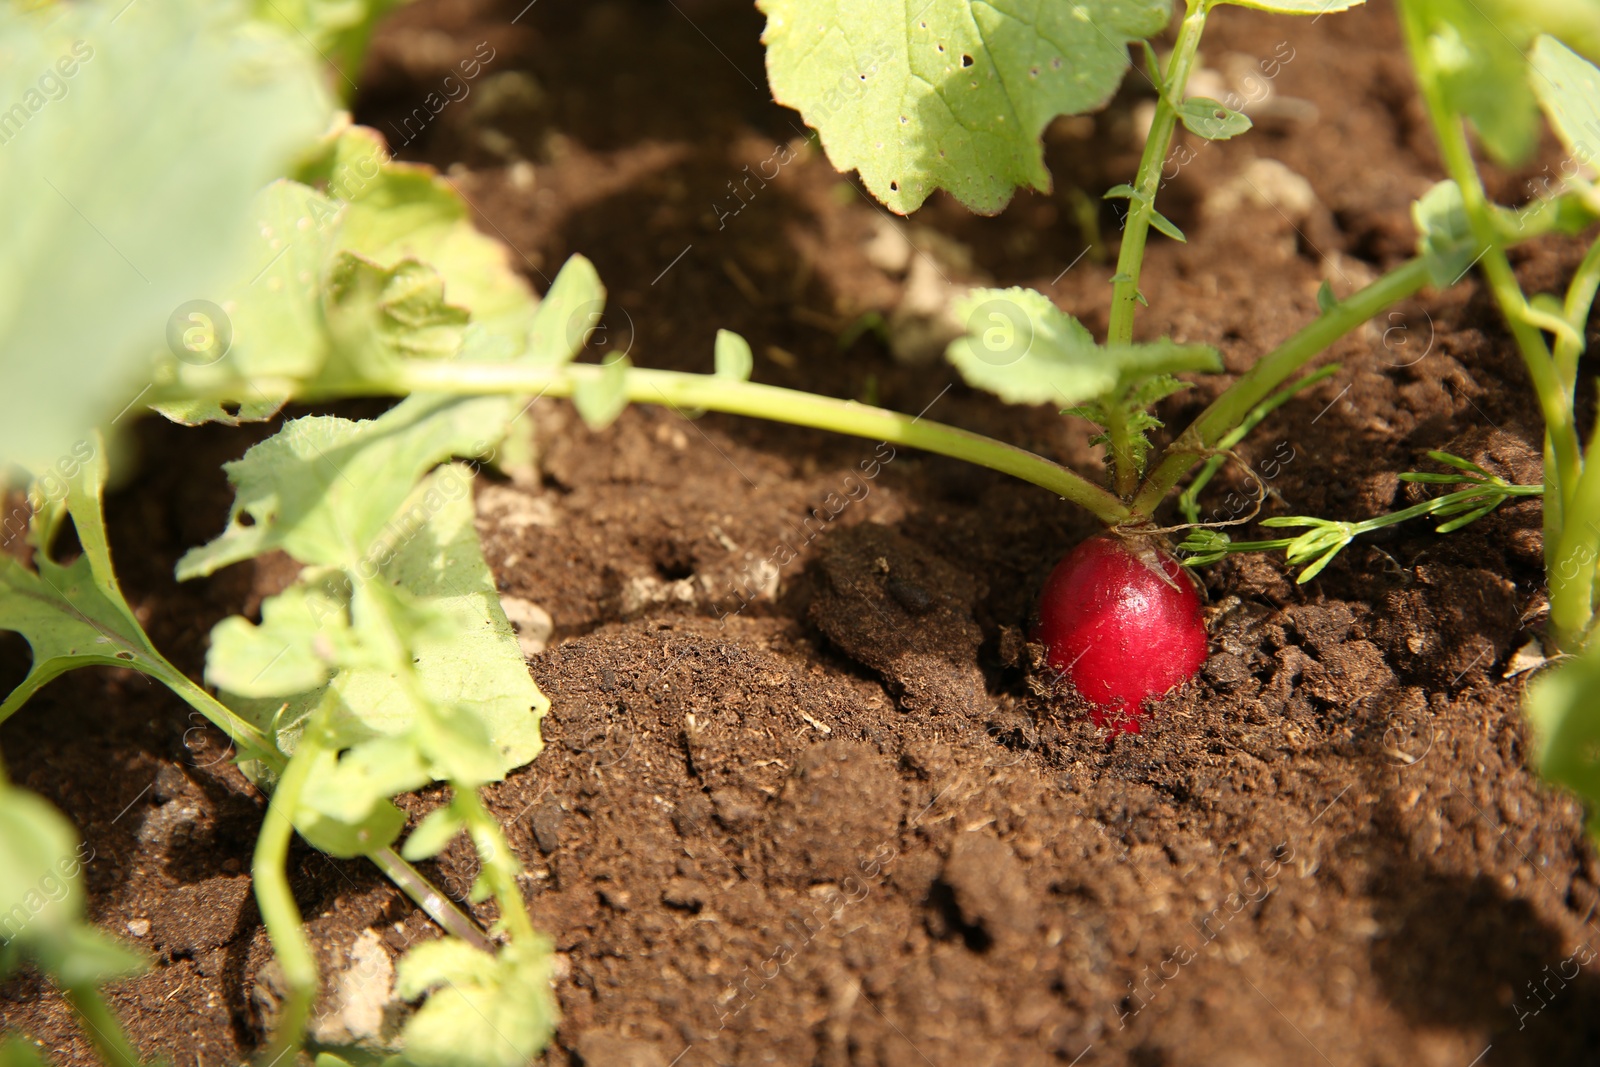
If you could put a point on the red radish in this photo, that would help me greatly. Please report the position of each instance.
(1123, 627)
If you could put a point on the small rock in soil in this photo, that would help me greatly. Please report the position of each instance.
(987, 882)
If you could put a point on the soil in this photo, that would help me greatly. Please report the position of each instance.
(800, 802)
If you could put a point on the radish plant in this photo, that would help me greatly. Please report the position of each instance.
(388, 663)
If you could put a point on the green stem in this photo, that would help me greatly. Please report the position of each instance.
(1233, 406)
(500, 865)
(1130, 257)
(1141, 206)
(279, 913)
(701, 391)
(1554, 404)
(105, 1032)
(250, 741)
(1579, 300)
(434, 903)
(1570, 567)
(1188, 500)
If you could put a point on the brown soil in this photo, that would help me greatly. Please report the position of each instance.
(800, 804)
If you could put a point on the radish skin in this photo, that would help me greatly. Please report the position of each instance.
(1122, 625)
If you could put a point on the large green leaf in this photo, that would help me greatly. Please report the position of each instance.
(135, 138)
(1022, 348)
(948, 94)
(1568, 88)
(42, 898)
(1480, 49)
(71, 615)
(323, 489)
(490, 1011)
(1563, 708)
(377, 264)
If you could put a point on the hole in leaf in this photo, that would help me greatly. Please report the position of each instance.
(904, 120)
(941, 48)
(966, 60)
(894, 187)
(246, 519)
(230, 407)
(1055, 64)
(863, 77)
(125, 654)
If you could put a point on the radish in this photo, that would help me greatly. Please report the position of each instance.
(1123, 624)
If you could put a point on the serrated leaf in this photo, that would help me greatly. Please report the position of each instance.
(380, 265)
(1025, 350)
(1568, 88)
(484, 709)
(192, 109)
(295, 648)
(433, 834)
(567, 315)
(324, 489)
(75, 615)
(947, 94)
(1444, 236)
(1212, 119)
(600, 399)
(489, 1011)
(733, 357)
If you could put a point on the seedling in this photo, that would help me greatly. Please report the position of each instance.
(388, 664)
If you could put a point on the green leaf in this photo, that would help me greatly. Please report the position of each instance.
(1479, 56)
(18, 1051)
(337, 29)
(75, 615)
(1326, 301)
(41, 891)
(1212, 119)
(947, 94)
(568, 314)
(1124, 191)
(600, 399)
(1165, 225)
(296, 648)
(421, 570)
(342, 284)
(1444, 239)
(83, 955)
(126, 196)
(433, 834)
(1568, 88)
(1563, 709)
(489, 1011)
(733, 357)
(363, 820)
(1025, 350)
(325, 489)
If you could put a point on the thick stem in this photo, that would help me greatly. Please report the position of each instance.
(1233, 406)
(701, 391)
(1141, 206)
(279, 913)
(105, 1032)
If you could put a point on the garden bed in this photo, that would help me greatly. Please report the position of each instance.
(814, 811)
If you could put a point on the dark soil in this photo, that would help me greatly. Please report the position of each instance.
(800, 803)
